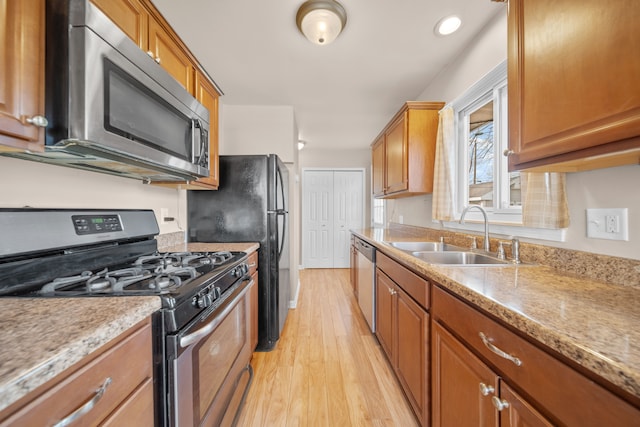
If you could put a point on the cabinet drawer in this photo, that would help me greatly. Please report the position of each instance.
(128, 364)
(562, 393)
(414, 285)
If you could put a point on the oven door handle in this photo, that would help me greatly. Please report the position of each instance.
(194, 337)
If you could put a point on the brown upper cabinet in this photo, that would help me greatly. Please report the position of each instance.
(137, 19)
(22, 75)
(142, 22)
(403, 154)
(574, 91)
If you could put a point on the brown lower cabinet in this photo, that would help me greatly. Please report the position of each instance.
(122, 369)
(353, 270)
(466, 392)
(485, 374)
(402, 328)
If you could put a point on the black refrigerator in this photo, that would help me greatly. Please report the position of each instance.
(251, 205)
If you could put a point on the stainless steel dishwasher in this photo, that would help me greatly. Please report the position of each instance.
(366, 273)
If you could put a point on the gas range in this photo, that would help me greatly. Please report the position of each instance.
(69, 253)
(204, 321)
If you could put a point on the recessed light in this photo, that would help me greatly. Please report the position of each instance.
(448, 25)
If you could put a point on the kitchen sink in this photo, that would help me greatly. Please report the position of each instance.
(424, 246)
(459, 258)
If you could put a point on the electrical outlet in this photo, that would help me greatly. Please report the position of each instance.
(164, 213)
(400, 219)
(610, 224)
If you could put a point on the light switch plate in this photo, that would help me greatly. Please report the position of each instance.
(610, 224)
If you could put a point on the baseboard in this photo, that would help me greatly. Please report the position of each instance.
(294, 302)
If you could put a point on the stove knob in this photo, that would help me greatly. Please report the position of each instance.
(202, 300)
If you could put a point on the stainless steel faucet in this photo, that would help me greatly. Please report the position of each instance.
(486, 223)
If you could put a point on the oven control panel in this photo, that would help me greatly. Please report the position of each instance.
(93, 224)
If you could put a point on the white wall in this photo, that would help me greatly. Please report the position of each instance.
(258, 129)
(605, 188)
(38, 185)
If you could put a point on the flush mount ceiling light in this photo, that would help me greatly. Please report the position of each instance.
(321, 21)
(447, 25)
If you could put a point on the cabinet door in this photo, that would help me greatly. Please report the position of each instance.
(377, 167)
(170, 56)
(385, 301)
(519, 413)
(396, 156)
(208, 96)
(575, 94)
(131, 16)
(458, 379)
(21, 73)
(412, 329)
(353, 270)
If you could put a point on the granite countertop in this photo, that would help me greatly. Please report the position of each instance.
(41, 337)
(593, 323)
(247, 247)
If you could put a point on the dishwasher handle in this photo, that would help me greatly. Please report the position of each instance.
(369, 251)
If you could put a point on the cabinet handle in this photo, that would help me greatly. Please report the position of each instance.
(500, 404)
(75, 415)
(507, 152)
(486, 390)
(391, 291)
(496, 350)
(39, 121)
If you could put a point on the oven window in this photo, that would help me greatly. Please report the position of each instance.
(216, 354)
(137, 113)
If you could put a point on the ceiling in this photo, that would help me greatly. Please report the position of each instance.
(344, 93)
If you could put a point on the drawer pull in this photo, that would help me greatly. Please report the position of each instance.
(500, 404)
(486, 390)
(496, 350)
(75, 415)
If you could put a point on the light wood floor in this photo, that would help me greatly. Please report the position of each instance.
(327, 368)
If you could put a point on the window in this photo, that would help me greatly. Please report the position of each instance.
(481, 170)
(481, 135)
(377, 214)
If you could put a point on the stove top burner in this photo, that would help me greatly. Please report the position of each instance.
(155, 273)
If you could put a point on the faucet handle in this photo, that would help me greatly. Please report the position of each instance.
(474, 242)
(515, 250)
(500, 253)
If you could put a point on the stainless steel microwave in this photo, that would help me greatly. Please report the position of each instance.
(111, 108)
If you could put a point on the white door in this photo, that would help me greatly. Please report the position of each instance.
(318, 219)
(332, 204)
(347, 213)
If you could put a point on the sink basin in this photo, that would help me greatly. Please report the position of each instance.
(424, 246)
(460, 258)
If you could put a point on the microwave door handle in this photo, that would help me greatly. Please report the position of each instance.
(201, 144)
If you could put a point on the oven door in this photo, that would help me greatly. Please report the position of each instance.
(209, 364)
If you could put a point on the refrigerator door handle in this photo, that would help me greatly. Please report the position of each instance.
(283, 213)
